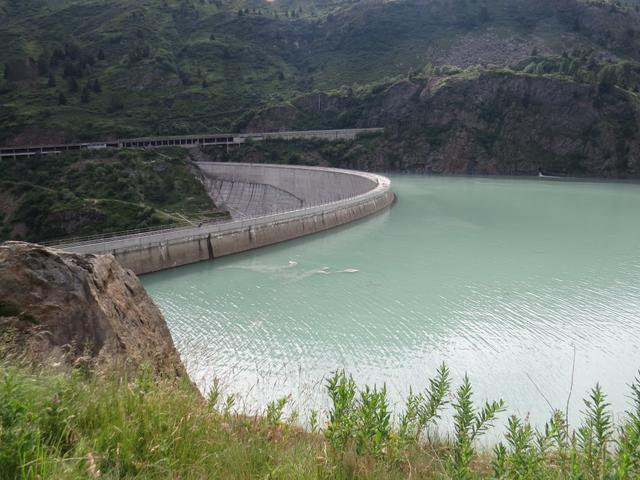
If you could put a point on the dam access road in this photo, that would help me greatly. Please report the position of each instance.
(328, 197)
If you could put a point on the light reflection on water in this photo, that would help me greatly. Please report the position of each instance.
(499, 278)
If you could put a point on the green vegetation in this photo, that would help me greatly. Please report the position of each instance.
(584, 67)
(8, 309)
(579, 121)
(88, 68)
(302, 152)
(94, 426)
(98, 192)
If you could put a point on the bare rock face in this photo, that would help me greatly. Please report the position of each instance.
(490, 122)
(58, 307)
(273, 119)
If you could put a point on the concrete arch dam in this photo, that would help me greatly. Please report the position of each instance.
(247, 199)
(250, 190)
(273, 203)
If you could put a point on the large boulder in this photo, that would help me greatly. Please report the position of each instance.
(63, 308)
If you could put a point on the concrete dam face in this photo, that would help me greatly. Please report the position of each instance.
(268, 204)
(242, 198)
(309, 185)
(246, 200)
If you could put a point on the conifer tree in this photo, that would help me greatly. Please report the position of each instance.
(72, 85)
(43, 64)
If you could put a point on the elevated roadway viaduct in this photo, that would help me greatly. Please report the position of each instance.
(203, 140)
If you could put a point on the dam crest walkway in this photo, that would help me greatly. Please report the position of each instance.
(324, 198)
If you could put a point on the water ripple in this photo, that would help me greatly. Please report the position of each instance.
(461, 270)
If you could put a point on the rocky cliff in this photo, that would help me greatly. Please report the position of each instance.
(58, 307)
(484, 122)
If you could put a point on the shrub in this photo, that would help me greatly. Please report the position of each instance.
(83, 425)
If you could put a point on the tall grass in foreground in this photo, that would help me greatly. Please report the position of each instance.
(90, 426)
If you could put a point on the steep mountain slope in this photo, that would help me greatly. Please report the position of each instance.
(81, 69)
(100, 192)
(478, 121)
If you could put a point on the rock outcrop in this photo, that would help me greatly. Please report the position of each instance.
(485, 122)
(64, 308)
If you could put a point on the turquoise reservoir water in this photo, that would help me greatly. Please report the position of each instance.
(499, 278)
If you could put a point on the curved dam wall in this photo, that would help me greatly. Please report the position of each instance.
(359, 195)
(313, 185)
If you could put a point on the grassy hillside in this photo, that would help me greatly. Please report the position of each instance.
(69, 426)
(183, 66)
(100, 192)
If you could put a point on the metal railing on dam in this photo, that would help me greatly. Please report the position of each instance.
(156, 250)
(204, 140)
